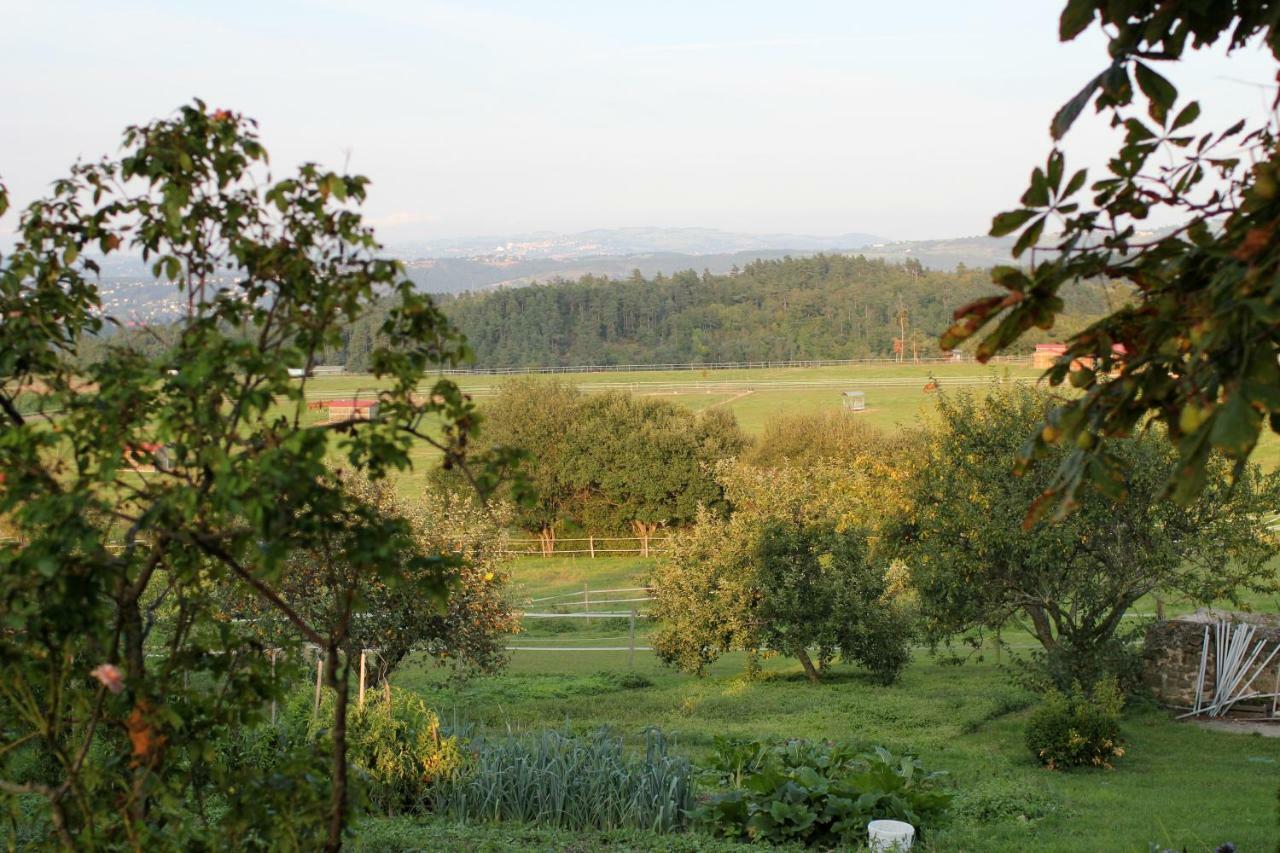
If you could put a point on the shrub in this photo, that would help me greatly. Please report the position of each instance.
(399, 749)
(1078, 730)
(820, 794)
(571, 782)
(395, 745)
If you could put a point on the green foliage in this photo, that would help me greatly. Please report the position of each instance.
(1196, 344)
(611, 460)
(117, 660)
(469, 633)
(1076, 729)
(818, 794)
(794, 570)
(395, 744)
(805, 592)
(827, 306)
(819, 591)
(992, 800)
(807, 440)
(974, 565)
(571, 782)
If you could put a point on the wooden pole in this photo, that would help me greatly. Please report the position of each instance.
(273, 684)
(1160, 608)
(360, 700)
(586, 601)
(631, 655)
(319, 672)
(591, 543)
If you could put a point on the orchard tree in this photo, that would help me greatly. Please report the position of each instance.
(118, 670)
(469, 633)
(1069, 584)
(798, 568)
(1196, 345)
(611, 461)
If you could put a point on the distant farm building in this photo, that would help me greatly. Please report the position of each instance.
(1046, 355)
(341, 411)
(853, 401)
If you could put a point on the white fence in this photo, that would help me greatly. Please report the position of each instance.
(568, 604)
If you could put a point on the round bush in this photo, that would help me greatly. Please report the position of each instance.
(1077, 730)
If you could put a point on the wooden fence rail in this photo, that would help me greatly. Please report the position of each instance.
(591, 546)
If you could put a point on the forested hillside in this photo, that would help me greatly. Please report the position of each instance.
(819, 307)
(825, 306)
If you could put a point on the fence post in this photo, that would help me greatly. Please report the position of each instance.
(1159, 608)
(591, 543)
(319, 669)
(273, 686)
(586, 602)
(631, 655)
(360, 700)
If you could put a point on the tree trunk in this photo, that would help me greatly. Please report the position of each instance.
(810, 671)
(1043, 630)
(338, 807)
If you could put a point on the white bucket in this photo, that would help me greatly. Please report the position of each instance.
(890, 836)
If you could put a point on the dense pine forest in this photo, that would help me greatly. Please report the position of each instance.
(824, 306)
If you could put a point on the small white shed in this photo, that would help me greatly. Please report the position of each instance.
(853, 401)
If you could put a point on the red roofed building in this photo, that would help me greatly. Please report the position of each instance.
(1046, 354)
(341, 411)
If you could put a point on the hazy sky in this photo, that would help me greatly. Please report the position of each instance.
(909, 120)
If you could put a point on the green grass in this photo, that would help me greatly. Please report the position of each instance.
(1178, 786)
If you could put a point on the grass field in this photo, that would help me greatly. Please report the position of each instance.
(1179, 786)
(895, 393)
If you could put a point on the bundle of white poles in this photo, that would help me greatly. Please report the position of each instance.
(1234, 655)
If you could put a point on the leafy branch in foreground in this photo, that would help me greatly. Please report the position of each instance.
(1196, 346)
(142, 491)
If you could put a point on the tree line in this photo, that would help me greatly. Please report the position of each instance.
(825, 306)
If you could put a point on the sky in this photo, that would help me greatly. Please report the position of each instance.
(909, 120)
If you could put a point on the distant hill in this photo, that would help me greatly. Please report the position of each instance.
(477, 264)
(455, 267)
(626, 241)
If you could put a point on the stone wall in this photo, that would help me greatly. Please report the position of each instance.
(1171, 665)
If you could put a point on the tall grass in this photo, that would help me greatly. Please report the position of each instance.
(571, 782)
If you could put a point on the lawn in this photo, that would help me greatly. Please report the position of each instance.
(1178, 785)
